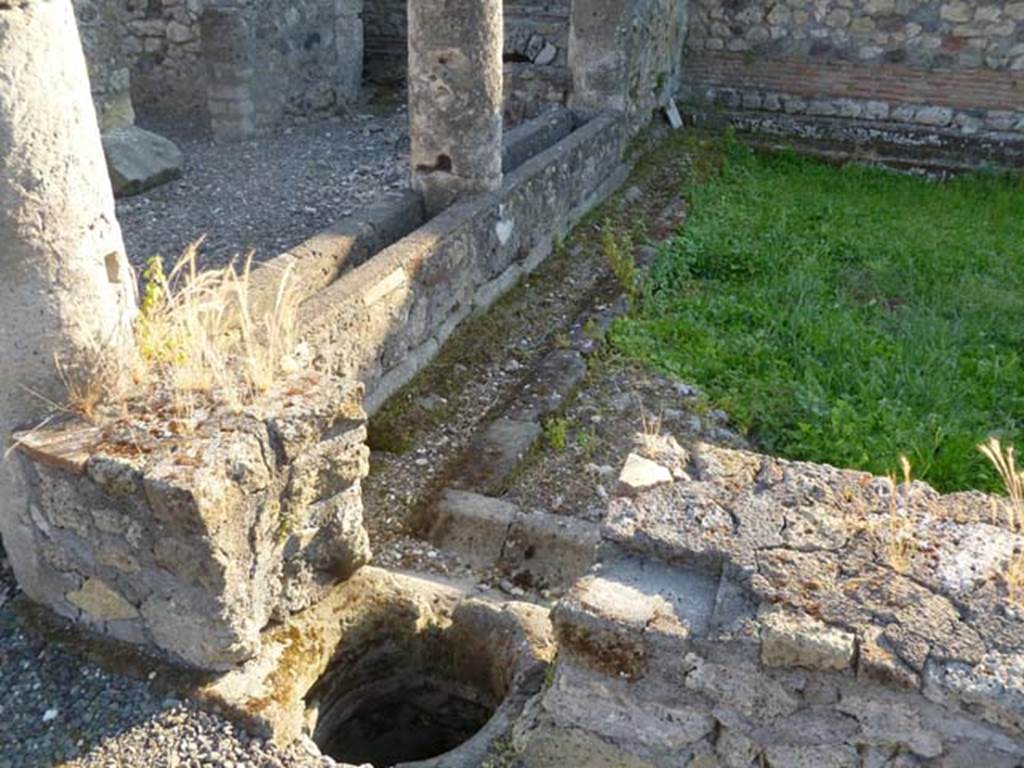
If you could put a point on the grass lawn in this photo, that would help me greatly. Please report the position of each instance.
(847, 315)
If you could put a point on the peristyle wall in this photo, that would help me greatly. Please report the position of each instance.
(945, 65)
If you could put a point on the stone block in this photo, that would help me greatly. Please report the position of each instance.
(474, 525)
(640, 474)
(139, 160)
(192, 542)
(791, 639)
(101, 602)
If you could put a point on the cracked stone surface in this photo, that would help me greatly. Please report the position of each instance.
(820, 617)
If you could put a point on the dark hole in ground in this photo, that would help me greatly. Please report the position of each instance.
(423, 719)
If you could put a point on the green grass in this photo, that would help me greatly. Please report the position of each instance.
(847, 315)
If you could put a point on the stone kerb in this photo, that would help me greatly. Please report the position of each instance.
(190, 543)
(768, 612)
(384, 320)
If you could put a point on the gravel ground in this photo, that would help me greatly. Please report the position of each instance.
(56, 709)
(267, 193)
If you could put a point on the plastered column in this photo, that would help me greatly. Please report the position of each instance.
(455, 98)
(66, 291)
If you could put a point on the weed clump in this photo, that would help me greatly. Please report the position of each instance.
(556, 432)
(202, 340)
(201, 332)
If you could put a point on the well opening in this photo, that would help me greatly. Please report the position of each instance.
(402, 697)
(409, 718)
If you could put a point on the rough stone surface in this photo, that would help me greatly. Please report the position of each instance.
(743, 594)
(138, 160)
(191, 543)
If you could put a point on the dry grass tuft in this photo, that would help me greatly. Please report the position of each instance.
(899, 537)
(200, 336)
(650, 436)
(84, 389)
(1005, 462)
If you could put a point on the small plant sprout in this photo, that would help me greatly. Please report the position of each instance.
(899, 533)
(1005, 462)
(618, 252)
(650, 432)
(556, 432)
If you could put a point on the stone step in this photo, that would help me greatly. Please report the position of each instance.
(537, 551)
(615, 617)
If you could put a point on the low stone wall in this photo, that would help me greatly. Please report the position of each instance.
(190, 543)
(949, 67)
(319, 261)
(760, 612)
(383, 321)
(926, 34)
(163, 44)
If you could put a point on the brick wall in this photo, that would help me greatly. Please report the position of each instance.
(953, 67)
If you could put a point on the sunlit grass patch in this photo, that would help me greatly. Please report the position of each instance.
(847, 315)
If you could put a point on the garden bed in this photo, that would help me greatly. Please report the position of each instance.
(848, 314)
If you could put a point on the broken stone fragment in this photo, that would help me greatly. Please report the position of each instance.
(640, 474)
(139, 160)
(791, 639)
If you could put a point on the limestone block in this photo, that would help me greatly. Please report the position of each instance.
(640, 474)
(938, 116)
(139, 160)
(792, 639)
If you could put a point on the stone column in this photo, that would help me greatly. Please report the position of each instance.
(66, 291)
(455, 92)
